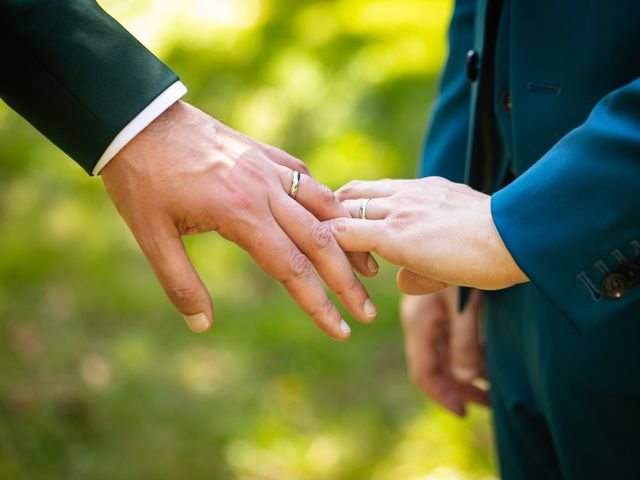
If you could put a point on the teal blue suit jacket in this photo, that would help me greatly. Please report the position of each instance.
(571, 139)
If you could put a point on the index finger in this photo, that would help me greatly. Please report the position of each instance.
(355, 235)
(276, 254)
(314, 239)
(373, 189)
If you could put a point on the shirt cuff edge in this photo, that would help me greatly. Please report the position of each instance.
(141, 121)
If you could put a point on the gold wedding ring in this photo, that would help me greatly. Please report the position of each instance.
(362, 211)
(293, 191)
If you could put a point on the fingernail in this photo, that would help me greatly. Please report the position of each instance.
(197, 322)
(463, 374)
(372, 264)
(370, 308)
(344, 327)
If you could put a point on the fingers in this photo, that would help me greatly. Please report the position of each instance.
(376, 208)
(474, 394)
(411, 283)
(466, 353)
(359, 189)
(314, 239)
(168, 258)
(283, 158)
(274, 154)
(276, 254)
(425, 322)
(355, 235)
(322, 203)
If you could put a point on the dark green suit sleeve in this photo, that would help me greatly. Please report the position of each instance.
(445, 150)
(75, 73)
(574, 216)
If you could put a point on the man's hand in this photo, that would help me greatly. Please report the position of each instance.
(444, 354)
(187, 173)
(438, 229)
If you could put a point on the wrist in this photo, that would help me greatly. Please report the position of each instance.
(135, 154)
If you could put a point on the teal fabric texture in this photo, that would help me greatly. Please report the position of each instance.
(570, 216)
(550, 117)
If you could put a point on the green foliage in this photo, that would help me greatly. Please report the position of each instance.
(99, 378)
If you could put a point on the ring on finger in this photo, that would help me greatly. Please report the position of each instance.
(362, 211)
(295, 183)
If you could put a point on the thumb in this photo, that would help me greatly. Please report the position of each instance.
(168, 258)
(411, 283)
(466, 355)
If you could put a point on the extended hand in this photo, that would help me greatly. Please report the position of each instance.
(444, 353)
(435, 228)
(188, 173)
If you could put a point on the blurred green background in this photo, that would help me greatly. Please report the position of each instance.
(99, 378)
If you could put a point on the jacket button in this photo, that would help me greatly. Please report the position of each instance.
(615, 285)
(631, 271)
(507, 102)
(472, 65)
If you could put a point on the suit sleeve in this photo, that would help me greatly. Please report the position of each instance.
(75, 73)
(445, 148)
(573, 217)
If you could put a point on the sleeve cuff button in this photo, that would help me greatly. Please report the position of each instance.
(615, 285)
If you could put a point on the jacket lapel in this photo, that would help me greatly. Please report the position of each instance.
(482, 157)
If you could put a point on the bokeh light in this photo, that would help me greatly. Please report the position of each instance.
(100, 377)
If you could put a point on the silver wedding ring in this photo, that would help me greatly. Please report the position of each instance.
(295, 183)
(362, 211)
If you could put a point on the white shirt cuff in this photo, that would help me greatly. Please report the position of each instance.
(140, 122)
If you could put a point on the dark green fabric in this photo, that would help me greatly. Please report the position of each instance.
(75, 73)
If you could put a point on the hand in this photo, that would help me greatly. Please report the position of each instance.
(435, 228)
(188, 173)
(444, 354)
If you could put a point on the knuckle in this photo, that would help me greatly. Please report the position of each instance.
(180, 294)
(397, 221)
(253, 166)
(321, 236)
(323, 311)
(352, 285)
(243, 201)
(435, 180)
(445, 194)
(412, 196)
(339, 226)
(301, 167)
(434, 323)
(326, 195)
(299, 265)
(349, 187)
